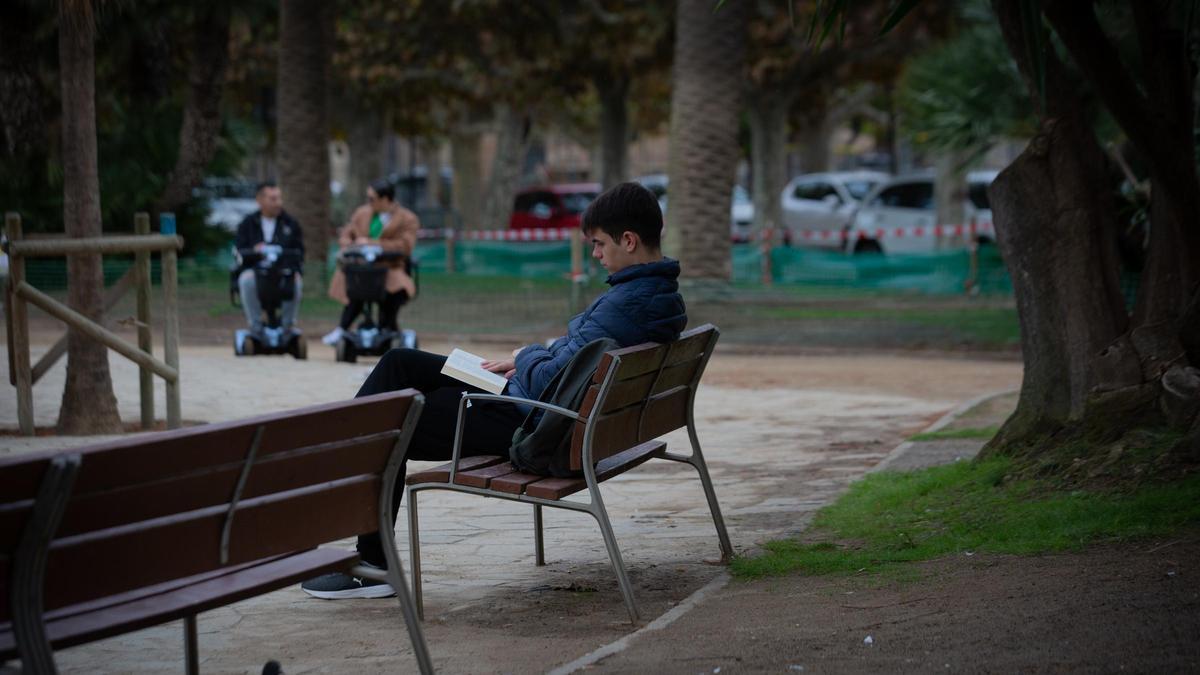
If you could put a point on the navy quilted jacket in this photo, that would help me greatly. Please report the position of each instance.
(643, 305)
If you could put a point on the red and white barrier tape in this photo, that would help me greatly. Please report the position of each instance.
(895, 232)
(547, 234)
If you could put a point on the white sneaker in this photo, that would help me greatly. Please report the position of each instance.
(333, 337)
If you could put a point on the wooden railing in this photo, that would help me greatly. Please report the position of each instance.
(19, 292)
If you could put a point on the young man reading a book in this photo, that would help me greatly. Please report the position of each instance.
(624, 227)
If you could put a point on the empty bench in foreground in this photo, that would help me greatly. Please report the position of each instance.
(125, 535)
(637, 395)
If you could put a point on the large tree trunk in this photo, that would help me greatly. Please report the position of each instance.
(467, 161)
(950, 187)
(202, 111)
(365, 136)
(88, 403)
(1062, 258)
(305, 36)
(614, 129)
(710, 46)
(512, 141)
(768, 158)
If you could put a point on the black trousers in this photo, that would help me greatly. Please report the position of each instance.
(488, 430)
(389, 308)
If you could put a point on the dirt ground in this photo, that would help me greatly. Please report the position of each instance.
(784, 434)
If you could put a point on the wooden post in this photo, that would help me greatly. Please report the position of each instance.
(451, 235)
(141, 226)
(19, 345)
(576, 253)
(765, 245)
(170, 281)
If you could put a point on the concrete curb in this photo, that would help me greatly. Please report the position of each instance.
(661, 622)
(944, 421)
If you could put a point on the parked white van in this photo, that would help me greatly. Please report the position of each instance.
(899, 217)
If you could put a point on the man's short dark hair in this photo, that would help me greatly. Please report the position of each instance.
(626, 207)
(263, 186)
(384, 189)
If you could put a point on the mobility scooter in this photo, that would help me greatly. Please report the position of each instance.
(366, 268)
(274, 277)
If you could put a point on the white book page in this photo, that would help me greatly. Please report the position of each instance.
(465, 366)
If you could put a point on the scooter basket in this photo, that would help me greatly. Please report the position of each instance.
(366, 282)
(275, 285)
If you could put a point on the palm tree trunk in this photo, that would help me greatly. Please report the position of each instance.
(202, 112)
(88, 403)
(705, 101)
(305, 37)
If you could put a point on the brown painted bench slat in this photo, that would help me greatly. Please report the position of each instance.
(637, 395)
(161, 526)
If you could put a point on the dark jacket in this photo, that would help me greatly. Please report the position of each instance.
(643, 305)
(287, 234)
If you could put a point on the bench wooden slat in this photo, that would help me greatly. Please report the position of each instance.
(72, 626)
(613, 432)
(630, 392)
(482, 477)
(515, 482)
(635, 360)
(441, 473)
(107, 562)
(557, 488)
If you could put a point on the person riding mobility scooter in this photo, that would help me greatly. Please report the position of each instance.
(365, 268)
(376, 275)
(267, 278)
(274, 284)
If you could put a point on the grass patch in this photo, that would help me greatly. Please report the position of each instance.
(993, 325)
(889, 518)
(980, 433)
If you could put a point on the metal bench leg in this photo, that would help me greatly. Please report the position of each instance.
(414, 552)
(714, 508)
(614, 554)
(539, 544)
(395, 575)
(191, 648)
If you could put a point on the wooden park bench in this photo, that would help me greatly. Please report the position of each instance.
(140, 531)
(637, 395)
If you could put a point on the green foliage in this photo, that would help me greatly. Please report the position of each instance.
(965, 93)
(890, 518)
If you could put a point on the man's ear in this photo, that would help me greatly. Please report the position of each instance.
(630, 241)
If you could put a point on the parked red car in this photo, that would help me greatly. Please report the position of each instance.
(552, 206)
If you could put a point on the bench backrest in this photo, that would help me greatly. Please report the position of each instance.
(158, 507)
(640, 393)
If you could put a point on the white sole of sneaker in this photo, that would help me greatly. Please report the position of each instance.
(380, 591)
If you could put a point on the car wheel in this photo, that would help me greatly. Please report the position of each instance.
(867, 246)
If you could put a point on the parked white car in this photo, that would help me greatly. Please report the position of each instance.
(818, 207)
(741, 208)
(899, 217)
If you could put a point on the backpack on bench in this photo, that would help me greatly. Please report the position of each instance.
(542, 444)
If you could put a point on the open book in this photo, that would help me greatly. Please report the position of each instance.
(464, 367)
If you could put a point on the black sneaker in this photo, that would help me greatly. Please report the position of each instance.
(338, 586)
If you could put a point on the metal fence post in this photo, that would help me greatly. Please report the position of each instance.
(141, 226)
(19, 345)
(170, 282)
(450, 236)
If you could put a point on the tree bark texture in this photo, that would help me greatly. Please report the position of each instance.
(512, 142)
(202, 110)
(710, 45)
(467, 161)
(88, 403)
(768, 159)
(614, 129)
(365, 136)
(305, 37)
(23, 114)
(1156, 112)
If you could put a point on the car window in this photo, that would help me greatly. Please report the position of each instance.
(906, 196)
(859, 188)
(814, 191)
(577, 202)
(977, 193)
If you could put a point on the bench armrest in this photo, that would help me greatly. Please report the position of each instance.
(516, 400)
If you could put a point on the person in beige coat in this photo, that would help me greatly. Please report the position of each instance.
(383, 222)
